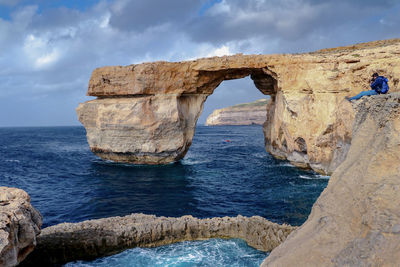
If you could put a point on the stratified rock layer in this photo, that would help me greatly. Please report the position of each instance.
(95, 238)
(147, 113)
(356, 220)
(242, 114)
(19, 225)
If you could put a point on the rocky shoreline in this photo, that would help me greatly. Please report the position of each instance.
(91, 239)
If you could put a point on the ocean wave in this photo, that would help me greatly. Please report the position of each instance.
(260, 155)
(213, 252)
(65, 148)
(314, 177)
(287, 164)
(189, 161)
(12, 160)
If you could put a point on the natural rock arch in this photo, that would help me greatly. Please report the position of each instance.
(139, 119)
(147, 113)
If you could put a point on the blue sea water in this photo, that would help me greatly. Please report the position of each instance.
(225, 173)
(213, 252)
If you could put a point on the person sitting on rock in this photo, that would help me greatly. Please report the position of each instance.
(379, 85)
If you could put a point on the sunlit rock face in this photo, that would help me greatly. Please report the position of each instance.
(147, 113)
(241, 114)
(20, 223)
(356, 220)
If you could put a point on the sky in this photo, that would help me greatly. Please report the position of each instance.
(48, 48)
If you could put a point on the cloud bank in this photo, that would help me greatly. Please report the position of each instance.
(49, 48)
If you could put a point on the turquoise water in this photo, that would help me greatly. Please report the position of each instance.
(213, 252)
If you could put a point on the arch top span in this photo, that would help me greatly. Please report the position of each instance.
(190, 77)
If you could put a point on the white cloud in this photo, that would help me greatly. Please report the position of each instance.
(219, 8)
(221, 51)
(40, 52)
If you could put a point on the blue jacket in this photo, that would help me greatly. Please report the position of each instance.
(380, 85)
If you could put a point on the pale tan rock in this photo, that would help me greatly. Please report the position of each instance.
(356, 220)
(242, 114)
(19, 225)
(306, 117)
(95, 238)
(142, 130)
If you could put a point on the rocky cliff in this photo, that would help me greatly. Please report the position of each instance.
(147, 113)
(242, 114)
(356, 220)
(19, 225)
(91, 239)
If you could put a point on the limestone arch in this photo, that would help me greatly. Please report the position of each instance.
(147, 113)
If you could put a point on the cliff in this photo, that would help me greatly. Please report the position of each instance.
(242, 114)
(147, 113)
(91, 239)
(19, 225)
(356, 220)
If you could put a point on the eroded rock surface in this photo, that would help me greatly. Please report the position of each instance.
(242, 114)
(19, 225)
(147, 113)
(95, 238)
(356, 220)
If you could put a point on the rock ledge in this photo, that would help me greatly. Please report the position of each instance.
(96, 238)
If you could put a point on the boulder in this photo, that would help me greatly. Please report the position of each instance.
(19, 225)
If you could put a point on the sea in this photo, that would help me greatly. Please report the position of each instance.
(226, 172)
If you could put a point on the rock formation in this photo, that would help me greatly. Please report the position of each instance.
(147, 113)
(242, 114)
(95, 238)
(356, 220)
(19, 225)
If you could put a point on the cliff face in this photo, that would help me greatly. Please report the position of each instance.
(356, 220)
(147, 113)
(19, 225)
(242, 114)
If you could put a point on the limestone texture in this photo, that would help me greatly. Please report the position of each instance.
(147, 113)
(242, 114)
(96, 238)
(19, 225)
(356, 220)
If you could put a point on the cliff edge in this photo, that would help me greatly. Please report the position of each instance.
(356, 220)
(241, 114)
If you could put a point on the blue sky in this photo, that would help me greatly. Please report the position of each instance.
(48, 49)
